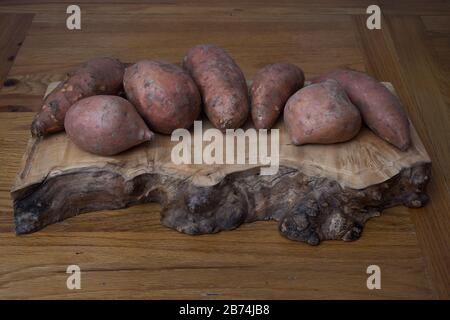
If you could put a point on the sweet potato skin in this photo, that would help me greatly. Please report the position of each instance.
(222, 85)
(164, 94)
(96, 76)
(271, 88)
(105, 125)
(381, 110)
(321, 113)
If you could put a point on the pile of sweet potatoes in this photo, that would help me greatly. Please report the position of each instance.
(162, 97)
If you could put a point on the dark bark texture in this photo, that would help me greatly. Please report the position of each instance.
(309, 209)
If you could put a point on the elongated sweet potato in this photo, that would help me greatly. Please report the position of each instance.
(96, 76)
(164, 94)
(321, 113)
(222, 85)
(105, 125)
(272, 86)
(381, 110)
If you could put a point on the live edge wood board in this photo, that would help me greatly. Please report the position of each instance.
(321, 192)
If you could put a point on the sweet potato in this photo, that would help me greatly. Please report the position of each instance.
(272, 86)
(96, 76)
(105, 125)
(222, 85)
(381, 110)
(321, 113)
(164, 94)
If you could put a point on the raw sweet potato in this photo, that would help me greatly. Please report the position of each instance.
(272, 86)
(222, 85)
(105, 125)
(321, 113)
(164, 94)
(381, 110)
(96, 76)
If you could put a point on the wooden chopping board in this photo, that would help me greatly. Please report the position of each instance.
(320, 192)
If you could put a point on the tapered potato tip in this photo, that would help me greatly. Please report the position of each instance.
(37, 128)
(405, 146)
(148, 135)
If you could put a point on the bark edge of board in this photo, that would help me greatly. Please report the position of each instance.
(309, 209)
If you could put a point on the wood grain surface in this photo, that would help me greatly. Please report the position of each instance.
(128, 254)
(13, 28)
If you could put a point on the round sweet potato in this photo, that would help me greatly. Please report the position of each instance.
(96, 76)
(321, 113)
(222, 85)
(272, 86)
(164, 95)
(381, 110)
(105, 125)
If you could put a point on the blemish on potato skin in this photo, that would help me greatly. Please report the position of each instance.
(215, 102)
(54, 106)
(148, 83)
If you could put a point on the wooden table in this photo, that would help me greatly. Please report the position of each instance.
(127, 253)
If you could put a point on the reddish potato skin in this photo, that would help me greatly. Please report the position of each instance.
(381, 110)
(105, 125)
(164, 95)
(96, 76)
(272, 86)
(222, 85)
(321, 113)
